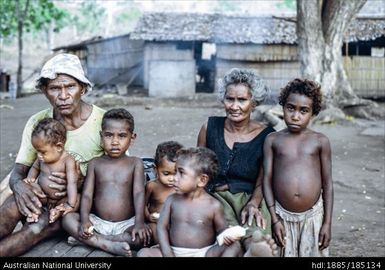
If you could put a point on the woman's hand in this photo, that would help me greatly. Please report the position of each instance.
(251, 211)
(28, 197)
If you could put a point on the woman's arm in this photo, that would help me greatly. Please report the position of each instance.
(202, 136)
(251, 209)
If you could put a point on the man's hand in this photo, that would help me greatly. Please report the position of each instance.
(60, 180)
(60, 183)
(28, 198)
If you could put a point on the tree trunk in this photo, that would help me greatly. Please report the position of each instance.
(20, 24)
(321, 25)
(19, 76)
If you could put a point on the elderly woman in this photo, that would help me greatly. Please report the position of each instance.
(238, 142)
(63, 83)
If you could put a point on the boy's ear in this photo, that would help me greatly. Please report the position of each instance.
(59, 146)
(133, 137)
(203, 180)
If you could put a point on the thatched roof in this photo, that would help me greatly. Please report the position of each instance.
(362, 29)
(173, 26)
(220, 28)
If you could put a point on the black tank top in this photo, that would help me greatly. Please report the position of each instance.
(239, 167)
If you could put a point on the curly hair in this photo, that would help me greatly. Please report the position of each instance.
(248, 77)
(203, 159)
(305, 87)
(52, 130)
(167, 149)
(119, 114)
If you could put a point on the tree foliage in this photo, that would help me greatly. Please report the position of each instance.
(39, 14)
(89, 18)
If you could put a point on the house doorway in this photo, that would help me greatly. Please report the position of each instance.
(205, 58)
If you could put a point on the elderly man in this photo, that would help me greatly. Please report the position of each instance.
(63, 83)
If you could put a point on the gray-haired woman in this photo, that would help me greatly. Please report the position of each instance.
(238, 142)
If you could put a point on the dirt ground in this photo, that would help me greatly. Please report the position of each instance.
(358, 158)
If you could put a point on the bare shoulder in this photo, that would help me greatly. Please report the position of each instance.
(204, 126)
(320, 137)
(134, 160)
(214, 203)
(256, 125)
(95, 161)
(68, 158)
(273, 135)
(172, 198)
(151, 185)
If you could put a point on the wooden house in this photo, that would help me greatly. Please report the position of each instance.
(266, 44)
(110, 61)
(177, 54)
(172, 50)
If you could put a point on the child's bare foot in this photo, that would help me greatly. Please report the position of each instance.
(72, 241)
(54, 214)
(261, 246)
(119, 248)
(114, 247)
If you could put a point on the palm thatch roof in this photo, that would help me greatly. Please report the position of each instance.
(364, 29)
(220, 28)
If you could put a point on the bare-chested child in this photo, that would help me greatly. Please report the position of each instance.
(159, 189)
(48, 138)
(112, 202)
(297, 182)
(191, 219)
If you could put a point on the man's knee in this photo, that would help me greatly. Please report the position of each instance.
(5, 190)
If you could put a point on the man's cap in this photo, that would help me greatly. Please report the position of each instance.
(65, 63)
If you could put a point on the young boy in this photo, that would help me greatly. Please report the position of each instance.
(159, 189)
(114, 190)
(48, 138)
(297, 183)
(191, 219)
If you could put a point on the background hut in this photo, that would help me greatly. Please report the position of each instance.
(111, 61)
(215, 43)
(268, 45)
(173, 51)
(177, 54)
(364, 56)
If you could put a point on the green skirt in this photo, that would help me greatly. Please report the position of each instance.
(233, 205)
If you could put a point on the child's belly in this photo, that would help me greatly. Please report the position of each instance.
(297, 193)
